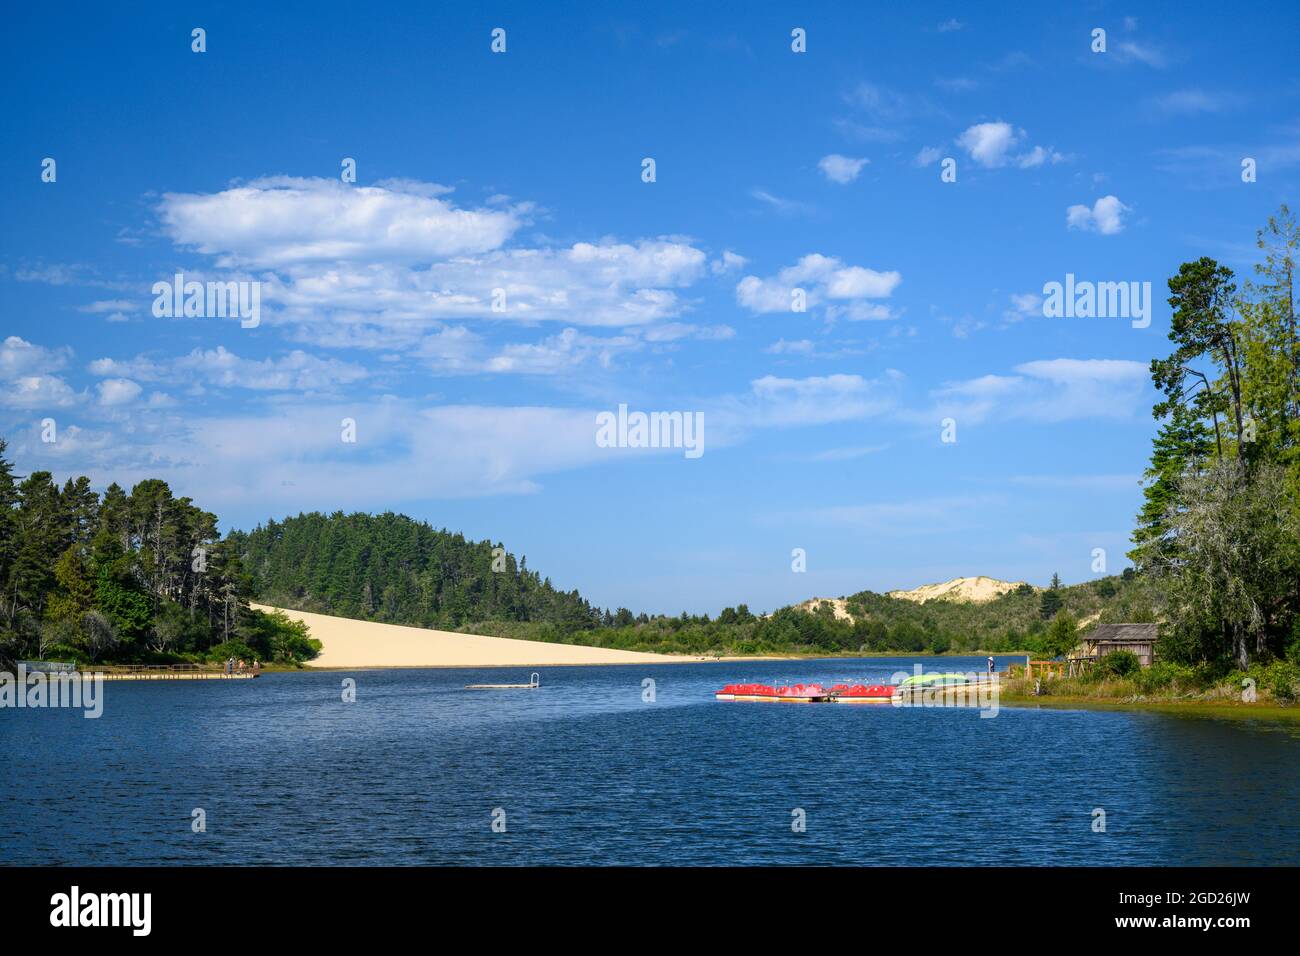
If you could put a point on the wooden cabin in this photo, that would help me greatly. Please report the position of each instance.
(1108, 638)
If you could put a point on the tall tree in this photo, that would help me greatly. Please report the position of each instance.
(1233, 588)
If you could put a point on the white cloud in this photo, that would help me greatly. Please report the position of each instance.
(37, 391)
(282, 220)
(294, 371)
(1051, 390)
(451, 350)
(118, 391)
(382, 266)
(992, 145)
(789, 207)
(673, 331)
(107, 305)
(1024, 305)
(928, 156)
(726, 263)
(951, 25)
(841, 169)
(847, 454)
(988, 143)
(19, 357)
(820, 399)
(25, 379)
(1130, 51)
(827, 282)
(1036, 157)
(1190, 102)
(457, 350)
(797, 347)
(559, 353)
(389, 306)
(1106, 216)
(884, 105)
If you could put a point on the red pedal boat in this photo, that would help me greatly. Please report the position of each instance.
(862, 694)
(802, 693)
(794, 694)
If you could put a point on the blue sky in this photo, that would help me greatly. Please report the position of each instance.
(522, 170)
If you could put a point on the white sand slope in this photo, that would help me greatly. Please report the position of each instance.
(349, 643)
(976, 590)
(839, 607)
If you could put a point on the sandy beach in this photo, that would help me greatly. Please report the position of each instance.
(349, 643)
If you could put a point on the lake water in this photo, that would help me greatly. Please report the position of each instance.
(587, 772)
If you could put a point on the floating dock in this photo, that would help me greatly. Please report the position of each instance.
(534, 682)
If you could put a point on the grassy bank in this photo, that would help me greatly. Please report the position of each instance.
(1265, 691)
(1219, 709)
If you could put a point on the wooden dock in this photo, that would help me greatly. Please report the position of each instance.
(192, 675)
(166, 672)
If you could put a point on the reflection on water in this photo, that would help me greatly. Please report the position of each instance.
(588, 772)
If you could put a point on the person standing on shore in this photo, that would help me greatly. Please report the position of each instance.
(992, 666)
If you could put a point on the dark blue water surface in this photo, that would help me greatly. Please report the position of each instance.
(588, 773)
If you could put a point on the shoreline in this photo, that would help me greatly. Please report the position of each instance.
(1227, 709)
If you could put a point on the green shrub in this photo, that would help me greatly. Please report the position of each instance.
(1119, 664)
(236, 649)
(1165, 674)
(1281, 679)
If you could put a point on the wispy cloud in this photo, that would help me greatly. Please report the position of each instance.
(1045, 391)
(839, 290)
(1189, 102)
(841, 169)
(788, 207)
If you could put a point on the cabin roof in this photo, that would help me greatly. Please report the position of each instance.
(1121, 633)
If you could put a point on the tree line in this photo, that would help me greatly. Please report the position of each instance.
(124, 577)
(1219, 528)
(394, 569)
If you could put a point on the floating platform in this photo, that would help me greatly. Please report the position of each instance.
(534, 682)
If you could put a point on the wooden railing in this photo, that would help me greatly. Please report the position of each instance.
(1042, 669)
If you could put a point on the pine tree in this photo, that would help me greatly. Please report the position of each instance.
(1182, 447)
(1051, 601)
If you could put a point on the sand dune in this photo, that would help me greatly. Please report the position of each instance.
(976, 590)
(349, 643)
(839, 607)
